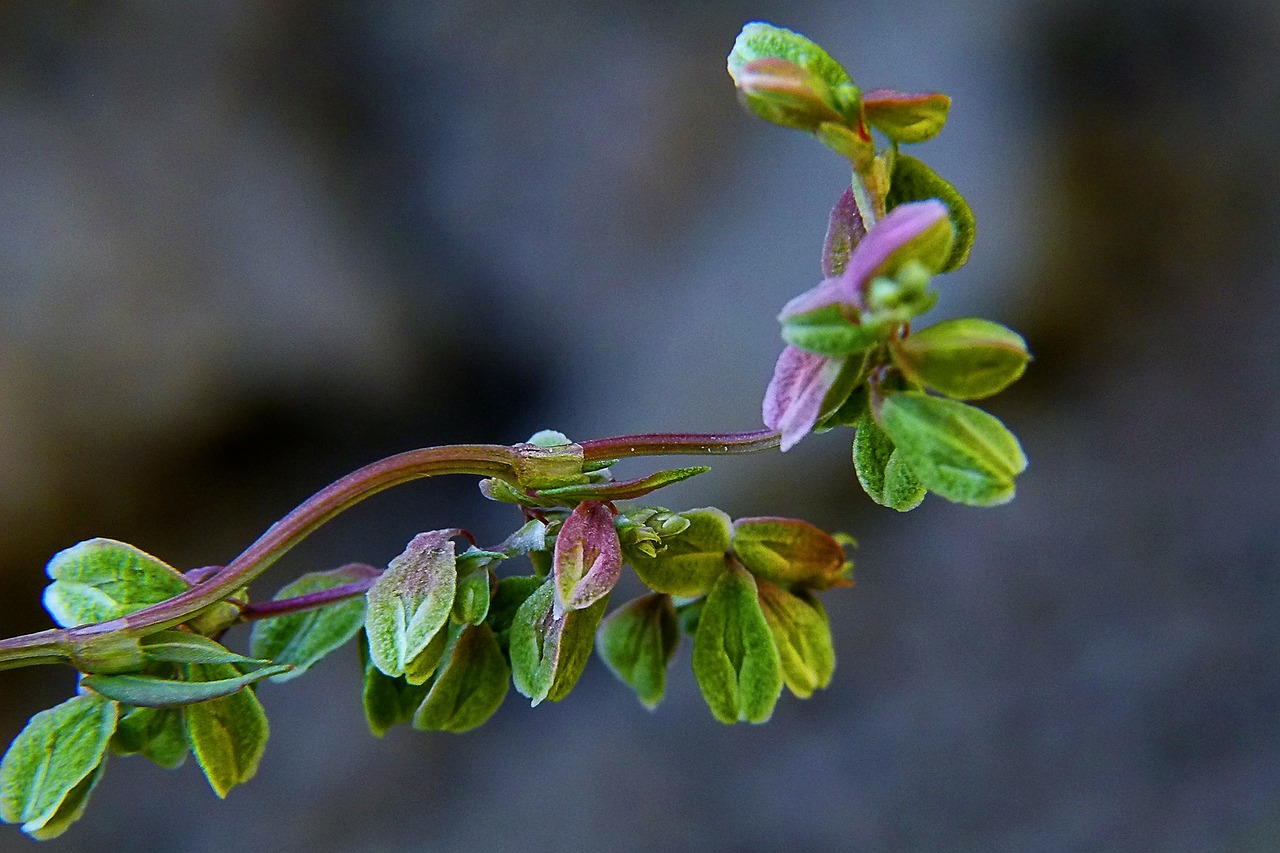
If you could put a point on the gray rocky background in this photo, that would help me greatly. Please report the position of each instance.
(246, 247)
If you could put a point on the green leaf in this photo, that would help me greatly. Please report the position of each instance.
(884, 476)
(156, 733)
(961, 453)
(421, 668)
(411, 601)
(226, 735)
(692, 560)
(848, 413)
(103, 579)
(72, 806)
(57, 750)
(388, 701)
(788, 551)
(150, 691)
(689, 612)
(759, 40)
(828, 332)
(621, 490)
(637, 642)
(185, 647)
(912, 180)
(735, 659)
(507, 598)
(471, 603)
(802, 634)
(906, 118)
(549, 649)
(787, 94)
(470, 687)
(303, 638)
(966, 358)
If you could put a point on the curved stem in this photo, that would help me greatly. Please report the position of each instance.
(484, 460)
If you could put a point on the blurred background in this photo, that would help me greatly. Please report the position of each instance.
(247, 247)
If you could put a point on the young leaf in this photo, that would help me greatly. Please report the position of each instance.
(471, 603)
(226, 735)
(637, 642)
(961, 453)
(735, 659)
(507, 598)
(72, 807)
(620, 490)
(786, 94)
(759, 40)
(156, 733)
(913, 181)
(829, 332)
(788, 551)
(906, 118)
(411, 601)
(103, 579)
(184, 647)
(150, 691)
(420, 669)
(388, 701)
(471, 686)
(967, 358)
(549, 650)
(844, 231)
(884, 476)
(301, 639)
(57, 750)
(692, 560)
(588, 557)
(802, 634)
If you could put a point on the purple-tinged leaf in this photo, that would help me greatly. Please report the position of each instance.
(789, 552)
(845, 230)
(588, 557)
(906, 117)
(794, 399)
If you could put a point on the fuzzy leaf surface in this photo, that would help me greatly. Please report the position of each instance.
(57, 751)
(637, 642)
(302, 639)
(960, 452)
(735, 659)
(693, 559)
(227, 735)
(102, 579)
(411, 601)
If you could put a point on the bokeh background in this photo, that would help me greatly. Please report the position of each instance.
(246, 247)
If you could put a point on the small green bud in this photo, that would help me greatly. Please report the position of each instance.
(470, 686)
(637, 641)
(961, 453)
(693, 559)
(789, 552)
(906, 118)
(883, 475)
(802, 634)
(786, 94)
(968, 358)
(735, 659)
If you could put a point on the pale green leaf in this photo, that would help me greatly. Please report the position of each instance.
(735, 659)
(103, 579)
(226, 735)
(410, 602)
(301, 639)
(56, 751)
